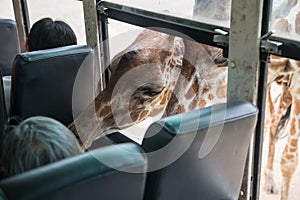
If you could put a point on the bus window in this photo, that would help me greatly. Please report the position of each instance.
(6, 9)
(121, 35)
(69, 11)
(285, 19)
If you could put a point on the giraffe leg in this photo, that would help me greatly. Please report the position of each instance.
(269, 182)
(289, 160)
(285, 102)
(288, 163)
(270, 186)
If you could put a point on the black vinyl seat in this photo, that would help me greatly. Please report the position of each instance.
(114, 172)
(199, 154)
(57, 83)
(9, 45)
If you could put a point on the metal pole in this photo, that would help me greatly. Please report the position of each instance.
(92, 39)
(104, 42)
(262, 85)
(244, 54)
(25, 16)
(22, 21)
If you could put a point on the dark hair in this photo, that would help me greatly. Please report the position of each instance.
(46, 34)
(35, 142)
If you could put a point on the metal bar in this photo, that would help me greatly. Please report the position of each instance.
(104, 42)
(25, 16)
(259, 132)
(188, 29)
(21, 21)
(162, 17)
(92, 39)
(262, 85)
(162, 26)
(245, 31)
(289, 48)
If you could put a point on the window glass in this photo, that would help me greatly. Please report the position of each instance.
(283, 84)
(216, 11)
(6, 9)
(210, 60)
(121, 35)
(285, 19)
(69, 11)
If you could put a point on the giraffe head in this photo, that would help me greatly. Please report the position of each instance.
(157, 73)
(142, 79)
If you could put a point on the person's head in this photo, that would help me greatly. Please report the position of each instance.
(47, 33)
(34, 142)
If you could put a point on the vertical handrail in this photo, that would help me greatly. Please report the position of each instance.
(244, 52)
(92, 40)
(25, 16)
(262, 84)
(104, 42)
(22, 21)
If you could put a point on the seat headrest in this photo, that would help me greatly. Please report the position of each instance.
(54, 52)
(9, 45)
(86, 167)
(193, 121)
(210, 116)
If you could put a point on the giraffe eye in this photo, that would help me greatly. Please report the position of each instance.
(150, 91)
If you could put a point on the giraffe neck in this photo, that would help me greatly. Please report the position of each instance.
(203, 80)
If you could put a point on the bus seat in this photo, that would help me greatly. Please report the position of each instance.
(199, 154)
(57, 83)
(2, 196)
(9, 45)
(3, 113)
(114, 172)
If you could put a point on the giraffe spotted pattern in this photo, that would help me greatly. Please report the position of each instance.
(157, 73)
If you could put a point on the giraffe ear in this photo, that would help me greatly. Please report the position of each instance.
(115, 61)
(220, 60)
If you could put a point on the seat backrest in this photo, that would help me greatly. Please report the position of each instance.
(3, 113)
(199, 154)
(114, 172)
(9, 45)
(47, 82)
